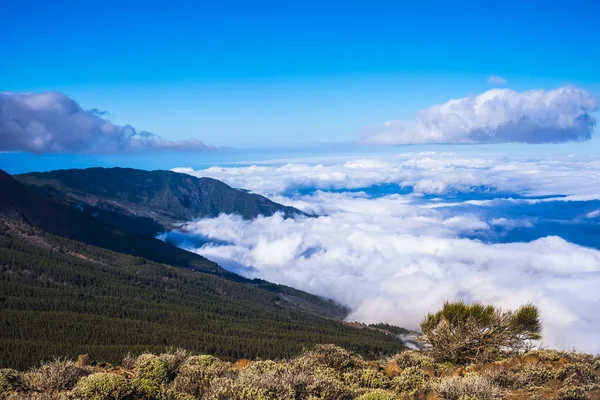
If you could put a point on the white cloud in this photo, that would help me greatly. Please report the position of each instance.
(427, 173)
(394, 258)
(497, 116)
(593, 214)
(51, 122)
(396, 265)
(511, 223)
(496, 80)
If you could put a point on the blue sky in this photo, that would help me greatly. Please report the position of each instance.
(276, 74)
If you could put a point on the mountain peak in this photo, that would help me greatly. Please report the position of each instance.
(164, 196)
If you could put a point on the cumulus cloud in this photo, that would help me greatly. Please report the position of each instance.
(497, 116)
(54, 123)
(394, 257)
(496, 80)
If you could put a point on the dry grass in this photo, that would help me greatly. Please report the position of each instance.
(59, 374)
(468, 387)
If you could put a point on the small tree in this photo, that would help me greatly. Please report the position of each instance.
(463, 333)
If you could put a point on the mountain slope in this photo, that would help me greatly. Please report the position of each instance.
(161, 196)
(64, 291)
(18, 202)
(59, 296)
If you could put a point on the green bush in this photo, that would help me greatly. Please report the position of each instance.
(378, 394)
(102, 386)
(151, 367)
(409, 381)
(463, 333)
(172, 394)
(334, 357)
(146, 388)
(366, 378)
(203, 360)
(412, 358)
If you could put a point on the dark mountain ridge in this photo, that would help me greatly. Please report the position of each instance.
(18, 202)
(149, 201)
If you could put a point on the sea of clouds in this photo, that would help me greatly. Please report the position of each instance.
(397, 236)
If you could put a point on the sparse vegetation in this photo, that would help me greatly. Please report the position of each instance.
(101, 386)
(324, 372)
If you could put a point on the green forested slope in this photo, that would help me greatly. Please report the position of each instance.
(61, 297)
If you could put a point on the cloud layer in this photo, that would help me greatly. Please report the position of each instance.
(425, 173)
(53, 123)
(497, 116)
(393, 257)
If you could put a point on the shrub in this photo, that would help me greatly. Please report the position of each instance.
(102, 386)
(60, 374)
(327, 388)
(578, 373)
(36, 396)
(505, 378)
(173, 359)
(409, 381)
(145, 388)
(412, 358)
(316, 381)
(129, 361)
(255, 388)
(378, 394)
(150, 366)
(534, 375)
(197, 373)
(271, 380)
(9, 380)
(203, 360)
(334, 357)
(302, 382)
(548, 354)
(468, 387)
(461, 333)
(572, 393)
(366, 378)
(172, 394)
